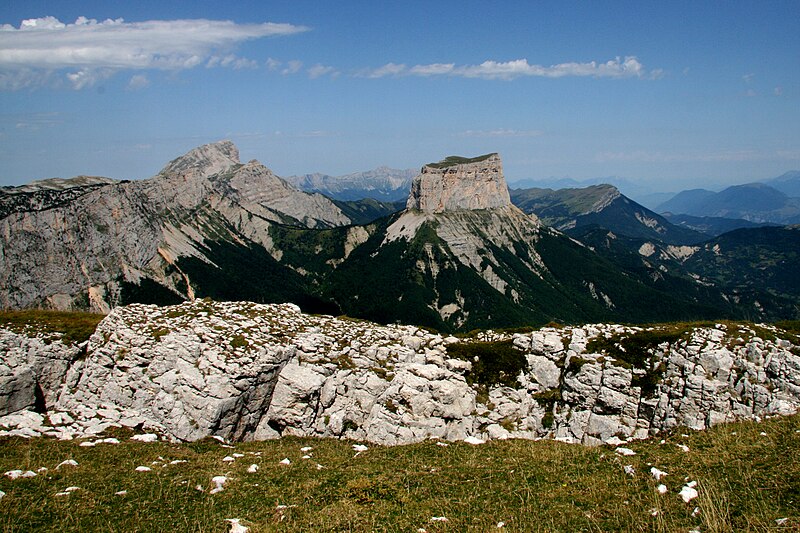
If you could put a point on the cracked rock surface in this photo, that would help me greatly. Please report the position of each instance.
(247, 371)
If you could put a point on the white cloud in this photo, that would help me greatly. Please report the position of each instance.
(46, 45)
(321, 70)
(748, 78)
(434, 69)
(501, 133)
(292, 67)
(87, 77)
(509, 70)
(389, 69)
(138, 81)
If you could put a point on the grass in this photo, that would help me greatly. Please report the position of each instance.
(746, 481)
(73, 326)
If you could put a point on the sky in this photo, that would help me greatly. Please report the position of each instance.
(670, 95)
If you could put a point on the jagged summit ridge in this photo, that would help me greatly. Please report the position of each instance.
(204, 160)
(460, 184)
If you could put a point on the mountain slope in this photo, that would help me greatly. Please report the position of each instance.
(97, 247)
(758, 264)
(462, 257)
(600, 205)
(366, 210)
(712, 226)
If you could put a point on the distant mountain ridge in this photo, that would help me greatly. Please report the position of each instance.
(383, 183)
(756, 202)
(603, 206)
(788, 183)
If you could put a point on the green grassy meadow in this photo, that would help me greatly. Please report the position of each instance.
(747, 474)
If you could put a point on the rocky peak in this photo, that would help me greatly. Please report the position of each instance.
(204, 160)
(458, 183)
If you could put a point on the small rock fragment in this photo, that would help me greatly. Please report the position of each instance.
(657, 474)
(688, 493)
(219, 482)
(236, 526)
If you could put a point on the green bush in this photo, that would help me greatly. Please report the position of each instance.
(493, 363)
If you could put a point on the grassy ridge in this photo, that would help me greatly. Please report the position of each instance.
(746, 480)
(73, 326)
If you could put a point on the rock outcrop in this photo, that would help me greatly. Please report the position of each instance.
(77, 252)
(458, 183)
(253, 371)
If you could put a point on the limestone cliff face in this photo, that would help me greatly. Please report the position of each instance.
(177, 371)
(458, 183)
(76, 254)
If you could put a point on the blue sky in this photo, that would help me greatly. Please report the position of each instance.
(668, 94)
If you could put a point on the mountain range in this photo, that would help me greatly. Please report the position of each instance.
(755, 202)
(383, 183)
(459, 256)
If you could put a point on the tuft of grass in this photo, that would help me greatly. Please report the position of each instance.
(73, 327)
(239, 341)
(745, 481)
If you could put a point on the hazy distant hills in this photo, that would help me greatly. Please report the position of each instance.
(788, 183)
(713, 226)
(383, 183)
(756, 202)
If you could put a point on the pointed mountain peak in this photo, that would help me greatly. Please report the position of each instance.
(460, 183)
(204, 160)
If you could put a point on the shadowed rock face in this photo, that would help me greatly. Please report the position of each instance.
(450, 187)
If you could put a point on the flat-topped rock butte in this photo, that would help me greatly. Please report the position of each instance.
(460, 183)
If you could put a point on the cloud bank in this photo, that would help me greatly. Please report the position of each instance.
(492, 70)
(91, 50)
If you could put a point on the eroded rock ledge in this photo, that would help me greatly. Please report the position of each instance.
(247, 371)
